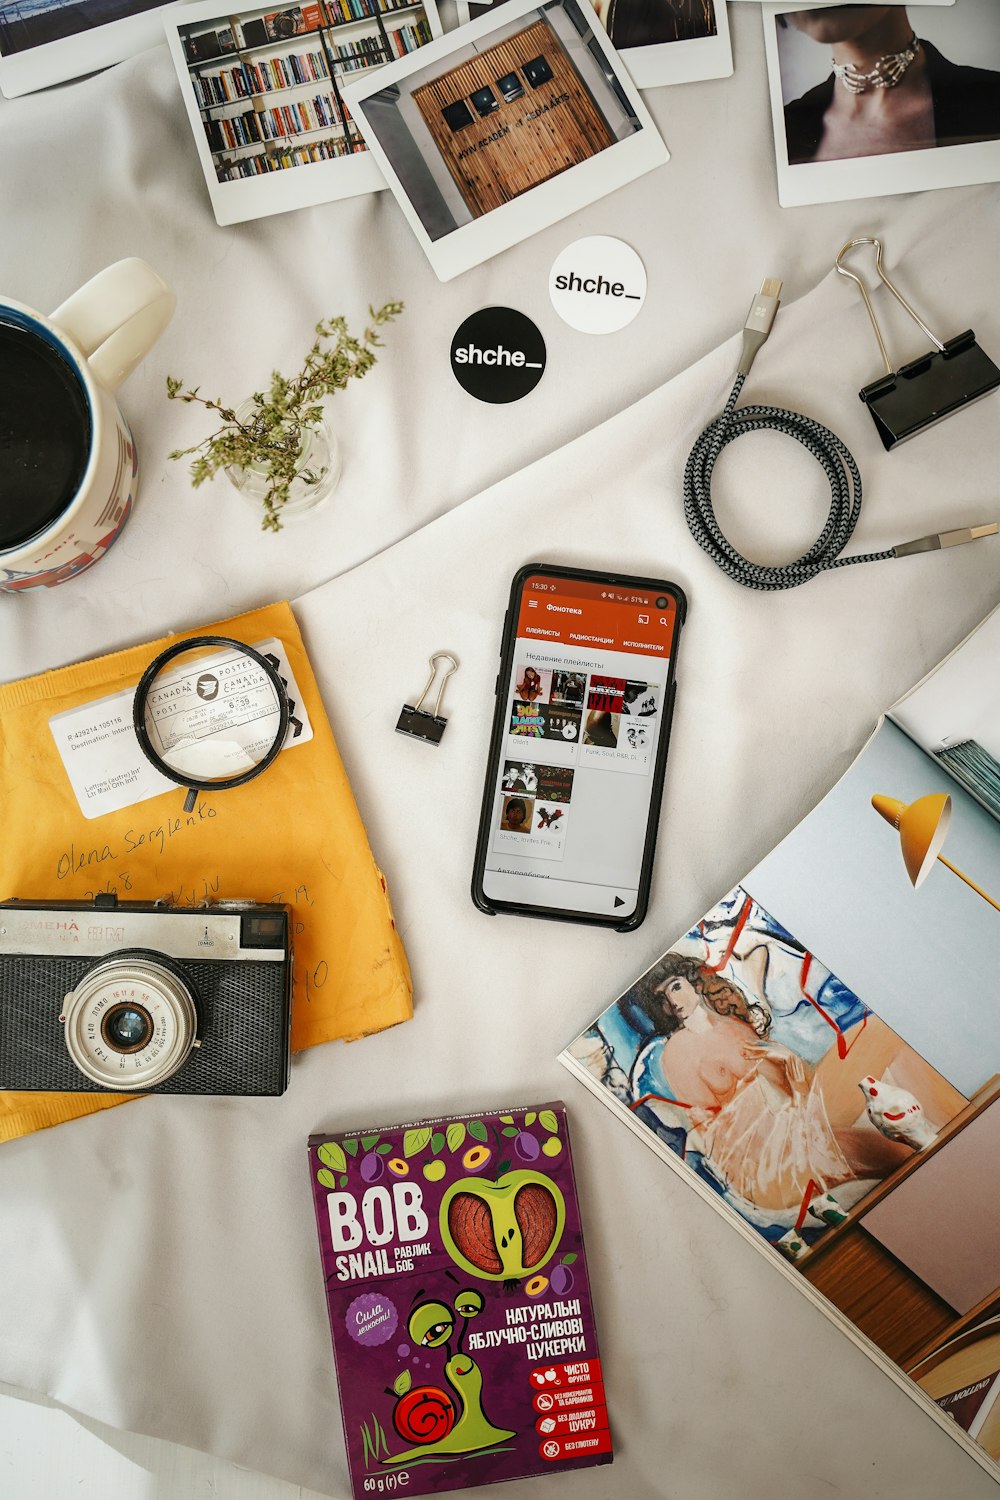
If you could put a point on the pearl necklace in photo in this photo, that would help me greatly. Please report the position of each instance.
(886, 73)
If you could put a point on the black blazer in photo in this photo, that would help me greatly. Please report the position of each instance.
(966, 107)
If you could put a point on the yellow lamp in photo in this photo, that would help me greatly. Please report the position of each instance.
(922, 827)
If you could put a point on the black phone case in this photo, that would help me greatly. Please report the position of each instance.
(492, 908)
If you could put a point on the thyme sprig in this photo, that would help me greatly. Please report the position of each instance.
(271, 437)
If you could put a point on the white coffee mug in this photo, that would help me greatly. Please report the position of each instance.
(103, 331)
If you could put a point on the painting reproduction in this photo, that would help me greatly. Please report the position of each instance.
(743, 1060)
(741, 1053)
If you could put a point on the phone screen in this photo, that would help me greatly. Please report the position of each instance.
(585, 702)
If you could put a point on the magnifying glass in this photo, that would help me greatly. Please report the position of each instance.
(210, 713)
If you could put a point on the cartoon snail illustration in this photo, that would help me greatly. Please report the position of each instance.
(441, 1421)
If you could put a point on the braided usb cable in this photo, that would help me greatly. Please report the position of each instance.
(838, 464)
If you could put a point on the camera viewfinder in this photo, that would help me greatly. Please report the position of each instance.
(262, 931)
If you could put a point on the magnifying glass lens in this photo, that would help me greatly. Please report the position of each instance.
(211, 715)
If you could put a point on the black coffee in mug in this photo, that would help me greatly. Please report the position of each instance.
(45, 433)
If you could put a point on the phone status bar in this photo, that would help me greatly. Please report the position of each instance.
(581, 612)
(579, 588)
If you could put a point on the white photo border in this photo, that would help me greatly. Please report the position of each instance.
(864, 176)
(693, 61)
(303, 186)
(808, 4)
(545, 204)
(84, 52)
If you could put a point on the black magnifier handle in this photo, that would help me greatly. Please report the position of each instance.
(190, 799)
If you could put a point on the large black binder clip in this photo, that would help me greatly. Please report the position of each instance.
(903, 402)
(414, 719)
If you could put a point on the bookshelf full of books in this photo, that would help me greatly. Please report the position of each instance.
(266, 82)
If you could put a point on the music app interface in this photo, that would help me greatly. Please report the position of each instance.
(584, 708)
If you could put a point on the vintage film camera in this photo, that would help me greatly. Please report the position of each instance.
(134, 997)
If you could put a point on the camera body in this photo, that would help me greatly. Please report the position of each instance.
(136, 997)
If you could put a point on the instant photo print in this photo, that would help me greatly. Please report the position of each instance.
(42, 44)
(660, 41)
(504, 127)
(818, 3)
(264, 96)
(823, 158)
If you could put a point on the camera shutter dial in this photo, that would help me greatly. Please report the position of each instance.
(130, 1024)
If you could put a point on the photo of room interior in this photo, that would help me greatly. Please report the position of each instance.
(534, 97)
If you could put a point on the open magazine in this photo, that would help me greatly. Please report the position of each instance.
(819, 1056)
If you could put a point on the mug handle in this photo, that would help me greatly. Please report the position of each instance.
(116, 318)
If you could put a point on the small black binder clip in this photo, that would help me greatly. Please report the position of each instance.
(903, 402)
(417, 721)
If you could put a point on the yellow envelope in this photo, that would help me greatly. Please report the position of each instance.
(293, 834)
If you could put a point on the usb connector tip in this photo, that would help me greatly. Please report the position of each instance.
(765, 306)
(760, 321)
(939, 539)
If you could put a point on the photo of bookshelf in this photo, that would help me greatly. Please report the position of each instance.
(267, 82)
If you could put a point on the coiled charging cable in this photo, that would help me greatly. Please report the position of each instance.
(838, 463)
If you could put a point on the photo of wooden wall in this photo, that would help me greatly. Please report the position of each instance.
(568, 129)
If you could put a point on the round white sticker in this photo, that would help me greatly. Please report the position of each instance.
(597, 284)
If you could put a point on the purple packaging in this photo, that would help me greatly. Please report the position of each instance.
(459, 1302)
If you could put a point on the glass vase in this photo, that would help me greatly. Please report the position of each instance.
(319, 464)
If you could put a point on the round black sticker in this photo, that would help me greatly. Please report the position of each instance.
(498, 355)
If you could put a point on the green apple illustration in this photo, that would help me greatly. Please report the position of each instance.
(505, 1230)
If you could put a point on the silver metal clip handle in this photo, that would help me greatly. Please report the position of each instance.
(865, 239)
(433, 661)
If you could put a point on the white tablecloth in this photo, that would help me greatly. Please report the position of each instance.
(158, 1266)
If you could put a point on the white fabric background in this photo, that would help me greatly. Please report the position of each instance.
(158, 1267)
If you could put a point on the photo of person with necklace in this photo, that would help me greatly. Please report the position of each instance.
(889, 90)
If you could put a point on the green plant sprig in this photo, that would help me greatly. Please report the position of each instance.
(271, 438)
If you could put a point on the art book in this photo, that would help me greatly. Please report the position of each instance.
(819, 1055)
(460, 1310)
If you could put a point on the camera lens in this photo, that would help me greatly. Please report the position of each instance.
(130, 1023)
(127, 1028)
(662, 602)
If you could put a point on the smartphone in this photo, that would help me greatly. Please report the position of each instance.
(578, 750)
